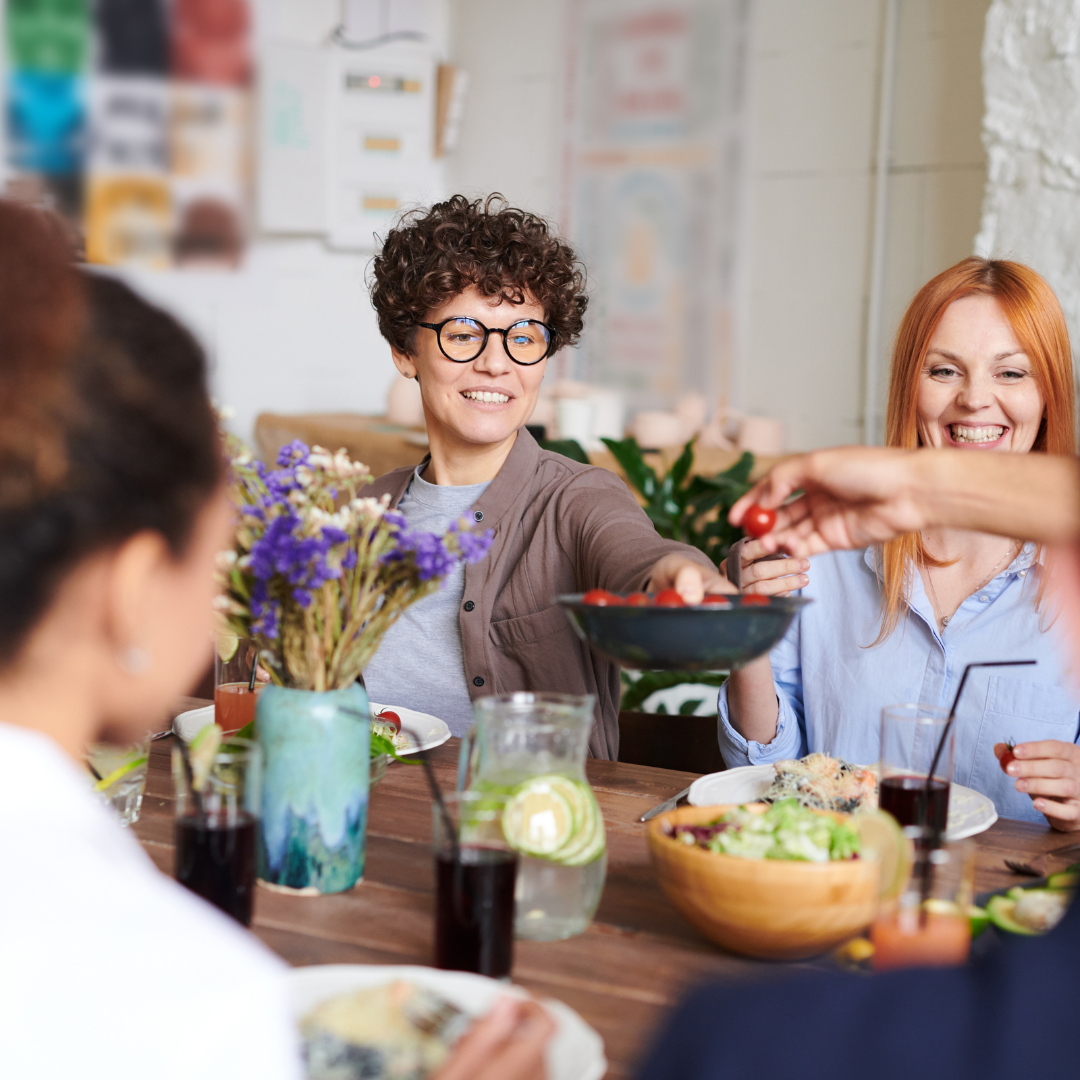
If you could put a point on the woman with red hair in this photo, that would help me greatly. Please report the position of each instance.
(982, 364)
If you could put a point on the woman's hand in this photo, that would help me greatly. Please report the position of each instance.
(1048, 771)
(689, 579)
(773, 577)
(507, 1044)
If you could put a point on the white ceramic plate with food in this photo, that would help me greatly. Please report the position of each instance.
(970, 812)
(426, 731)
(575, 1053)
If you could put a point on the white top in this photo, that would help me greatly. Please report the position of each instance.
(108, 969)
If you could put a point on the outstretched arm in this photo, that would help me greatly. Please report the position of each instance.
(858, 495)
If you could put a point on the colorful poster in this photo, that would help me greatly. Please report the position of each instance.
(652, 183)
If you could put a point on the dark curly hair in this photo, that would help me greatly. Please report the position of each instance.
(433, 255)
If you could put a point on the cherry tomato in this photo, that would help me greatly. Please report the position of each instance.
(754, 600)
(638, 599)
(601, 598)
(714, 599)
(388, 716)
(758, 521)
(668, 598)
(1007, 758)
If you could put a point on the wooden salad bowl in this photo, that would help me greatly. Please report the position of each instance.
(770, 908)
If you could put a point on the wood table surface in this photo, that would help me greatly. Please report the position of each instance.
(635, 961)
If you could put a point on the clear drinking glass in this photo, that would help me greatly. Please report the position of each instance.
(119, 774)
(234, 703)
(475, 871)
(928, 924)
(910, 736)
(216, 826)
(521, 737)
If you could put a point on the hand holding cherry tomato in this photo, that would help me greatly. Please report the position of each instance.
(757, 521)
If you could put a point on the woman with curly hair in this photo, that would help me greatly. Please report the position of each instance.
(474, 297)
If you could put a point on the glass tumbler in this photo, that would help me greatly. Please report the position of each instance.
(215, 826)
(234, 702)
(910, 736)
(928, 924)
(475, 872)
(119, 774)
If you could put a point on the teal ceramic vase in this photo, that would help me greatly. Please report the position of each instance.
(316, 765)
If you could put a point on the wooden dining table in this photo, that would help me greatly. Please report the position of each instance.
(636, 960)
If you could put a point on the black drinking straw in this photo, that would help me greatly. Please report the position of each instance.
(934, 830)
(254, 672)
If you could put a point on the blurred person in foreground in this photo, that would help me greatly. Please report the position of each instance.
(982, 363)
(112, 509)
(1009, 1014)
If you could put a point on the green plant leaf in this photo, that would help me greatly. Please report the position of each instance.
(687, 707)
(661, 709)
(628, 454)
(570, 448)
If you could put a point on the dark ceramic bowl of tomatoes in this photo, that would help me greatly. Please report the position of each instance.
(718, 635)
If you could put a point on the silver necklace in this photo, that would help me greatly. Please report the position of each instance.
(1013, 545)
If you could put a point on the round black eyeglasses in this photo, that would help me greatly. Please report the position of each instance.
(461, 340)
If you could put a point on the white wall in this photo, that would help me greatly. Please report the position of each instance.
(815, 77)
(1032, 132)
(817, 80)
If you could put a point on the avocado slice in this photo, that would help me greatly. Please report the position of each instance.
(1000, 910)
(1066, 880)
(979, 918)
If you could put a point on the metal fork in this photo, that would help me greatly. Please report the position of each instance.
(665, 806)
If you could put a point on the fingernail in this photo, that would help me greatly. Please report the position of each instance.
(803, 579)
(804, 563)
(1021, 786)
(1012, 768)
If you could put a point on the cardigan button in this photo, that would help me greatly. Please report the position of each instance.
(478, 515)
(478, 681)
(469, 605)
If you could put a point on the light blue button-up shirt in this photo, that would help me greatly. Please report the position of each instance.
(832, 685)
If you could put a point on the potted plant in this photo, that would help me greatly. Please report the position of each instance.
(315, 577)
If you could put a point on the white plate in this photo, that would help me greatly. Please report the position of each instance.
(576, 1052)
(429, 730)
(969, 811)
(188, 724)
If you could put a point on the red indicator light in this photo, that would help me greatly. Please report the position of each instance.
(374, 82)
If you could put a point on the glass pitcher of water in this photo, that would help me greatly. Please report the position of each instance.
(527, 751)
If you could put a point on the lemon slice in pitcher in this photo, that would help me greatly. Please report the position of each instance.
(882, 839)
(539, 818)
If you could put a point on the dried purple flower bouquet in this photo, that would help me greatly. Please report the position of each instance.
(317, 574)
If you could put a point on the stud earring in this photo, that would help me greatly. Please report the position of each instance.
(135, 660)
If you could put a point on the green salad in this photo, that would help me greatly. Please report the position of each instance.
(785, 831)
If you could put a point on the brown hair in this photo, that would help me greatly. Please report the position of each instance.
(128, 440)
(433, 255)
(1039, 324)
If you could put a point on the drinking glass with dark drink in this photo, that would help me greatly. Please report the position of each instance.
(475, 874)
(216, 816)
(234, 692)
(910, 735)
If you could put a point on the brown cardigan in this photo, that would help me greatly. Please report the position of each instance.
(560, 527)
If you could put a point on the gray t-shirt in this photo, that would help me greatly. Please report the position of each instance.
(419, 664)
